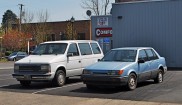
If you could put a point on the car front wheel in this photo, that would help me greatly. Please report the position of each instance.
(159, 78)
(60, 78)
(132, 81)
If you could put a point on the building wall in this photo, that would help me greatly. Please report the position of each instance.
(106, 46)
(58, 28)
(156, 24)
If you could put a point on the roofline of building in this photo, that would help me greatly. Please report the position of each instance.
(133, 2)
(55, 22)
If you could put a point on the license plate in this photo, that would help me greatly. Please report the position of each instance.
(27, 77)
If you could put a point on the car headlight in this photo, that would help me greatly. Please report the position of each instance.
(45, 67)
(115, 72)
(16, 67)
(86, 72)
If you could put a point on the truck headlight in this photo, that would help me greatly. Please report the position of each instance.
(45, 67)
(16, 67)
(86, 72)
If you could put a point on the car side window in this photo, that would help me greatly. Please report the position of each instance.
(73, 49)
(95, 48)
(155, 55)
(151, 54)
(142, 55)
(85, 48)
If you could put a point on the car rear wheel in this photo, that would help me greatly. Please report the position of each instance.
(14, 59)
(90, 86)
(60, 78)
(132, 81)
(25, 83)
(159, 78)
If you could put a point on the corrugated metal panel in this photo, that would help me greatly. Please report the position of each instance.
(150, 24)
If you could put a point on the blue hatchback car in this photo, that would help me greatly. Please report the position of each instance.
(125, 66)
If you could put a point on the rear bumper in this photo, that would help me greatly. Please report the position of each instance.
(33, 77)
(104, 80)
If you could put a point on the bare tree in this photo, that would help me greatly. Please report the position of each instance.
(98, 7)
(38, 30)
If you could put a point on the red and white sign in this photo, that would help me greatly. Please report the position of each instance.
(103, 32)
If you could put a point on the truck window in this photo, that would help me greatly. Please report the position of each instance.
(95, 48)
(85, 48)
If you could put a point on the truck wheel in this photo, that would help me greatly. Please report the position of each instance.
(132, 81)
(60, 78)
(25, 83)
(90, 86)
(159, 78)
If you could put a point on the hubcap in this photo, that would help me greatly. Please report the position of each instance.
(132, 82)
(160, 77)
(61, 79)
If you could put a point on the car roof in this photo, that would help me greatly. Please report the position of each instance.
(132, 48)
(70, 41)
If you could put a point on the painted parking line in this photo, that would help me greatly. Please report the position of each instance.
(5, 86)
(6, 79)
(5, 68)
(56, 88)
(5, 75)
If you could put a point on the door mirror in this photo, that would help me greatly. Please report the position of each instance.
(141, 61)
(99, 60)
(69, 54)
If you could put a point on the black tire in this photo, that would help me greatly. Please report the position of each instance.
(60, 78)
(90, 87)
(25, 83)
(14, 59)
(132, 82)
(159, 77)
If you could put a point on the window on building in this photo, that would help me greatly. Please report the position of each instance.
(81, 36)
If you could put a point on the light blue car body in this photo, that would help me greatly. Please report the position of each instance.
(98, 72)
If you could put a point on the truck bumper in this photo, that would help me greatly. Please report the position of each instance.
(33, 77)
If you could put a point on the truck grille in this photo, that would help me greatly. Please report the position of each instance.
(29, 68)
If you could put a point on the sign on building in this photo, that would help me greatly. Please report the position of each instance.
(103, 32)
(102, 21)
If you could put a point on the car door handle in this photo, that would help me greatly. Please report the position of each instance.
(79, 61)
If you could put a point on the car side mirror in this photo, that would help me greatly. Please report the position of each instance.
(141, 61)
(99, 59)
(69, 54)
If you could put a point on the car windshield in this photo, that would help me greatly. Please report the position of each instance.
(123, 55)
(50, 48)
(14, 53)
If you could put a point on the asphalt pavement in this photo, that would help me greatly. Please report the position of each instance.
(75, 92)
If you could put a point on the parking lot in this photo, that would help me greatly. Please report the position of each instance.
(167, 92)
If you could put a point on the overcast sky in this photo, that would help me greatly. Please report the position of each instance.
(59, 10)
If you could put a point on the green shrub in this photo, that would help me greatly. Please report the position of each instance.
(7, 53)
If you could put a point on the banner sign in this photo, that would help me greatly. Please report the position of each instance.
(102, 21)
(103, 32)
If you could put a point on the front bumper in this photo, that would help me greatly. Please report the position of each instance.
(33, 77)
(104, 80)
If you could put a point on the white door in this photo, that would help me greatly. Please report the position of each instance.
(73, 61)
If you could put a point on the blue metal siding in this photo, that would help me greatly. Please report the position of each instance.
(150, 24)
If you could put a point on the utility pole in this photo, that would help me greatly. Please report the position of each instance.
(21, 5)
